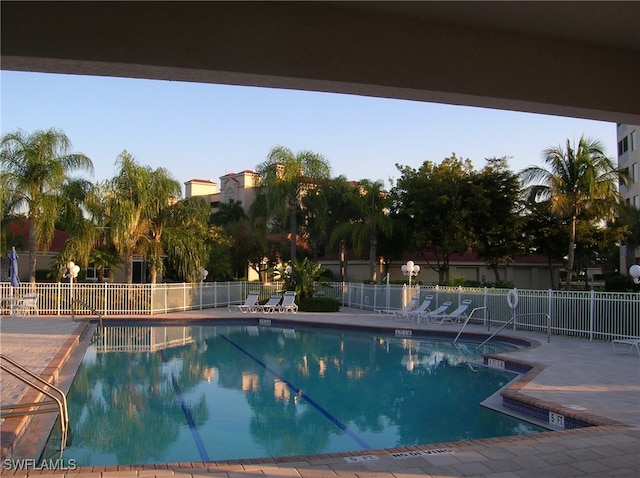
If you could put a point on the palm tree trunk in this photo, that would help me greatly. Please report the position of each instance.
(32, 251)
(128, 268)
(571, 255)
(294, 228)
(496, 272)
(373, 269)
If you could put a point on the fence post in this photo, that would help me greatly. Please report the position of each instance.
(485, 298)
(375, 295)
(550, 308)
(105, 298)
(166, 299)
(592, 306)
(59, 301)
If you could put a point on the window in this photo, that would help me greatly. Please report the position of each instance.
(229, 195)
(92, 273)
(633, 177)
(634, 140)
(623, 146)
(636, 202)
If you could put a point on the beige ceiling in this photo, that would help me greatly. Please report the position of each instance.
(578, 59)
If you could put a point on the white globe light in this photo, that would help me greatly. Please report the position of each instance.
(634, 271)
(416, 269)
(404, 268)
(410, 265)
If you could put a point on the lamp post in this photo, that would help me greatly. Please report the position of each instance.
(634, 272)
(410, 269)
(73, 273)
(203, 273)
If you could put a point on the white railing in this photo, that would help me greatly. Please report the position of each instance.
(589, 314)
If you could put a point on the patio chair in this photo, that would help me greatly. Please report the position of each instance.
(423, 308)
(405, 310)
(632, 343)
(457, 315)
(271, 305)
(28, 304)
(440, 310)
(249, 303)
(288, 303)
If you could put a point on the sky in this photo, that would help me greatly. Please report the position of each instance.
(204, 131)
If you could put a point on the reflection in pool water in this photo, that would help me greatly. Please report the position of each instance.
(174, 394)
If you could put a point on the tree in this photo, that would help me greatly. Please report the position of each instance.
(371, 222)
(545, 234)
(283, 180)
(36, 168)
(187, 240)
(494, 218)
(163, 192)
(82, 217)
(580, 184)
(126, 207)
(431, 204)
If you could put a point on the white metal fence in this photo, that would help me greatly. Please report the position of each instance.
(589, 314)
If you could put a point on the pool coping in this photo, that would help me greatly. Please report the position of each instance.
(512, 392)
(14, 429)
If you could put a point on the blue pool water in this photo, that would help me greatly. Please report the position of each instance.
(149, 394)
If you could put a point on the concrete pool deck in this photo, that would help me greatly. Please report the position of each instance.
(570, 376)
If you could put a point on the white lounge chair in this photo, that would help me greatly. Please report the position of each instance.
(458, 314)
(28, 304)
(249, 305)
(632, 343)
(288, 303)
(271, 305)
(404, 311)
(423, 308)
(440, 310)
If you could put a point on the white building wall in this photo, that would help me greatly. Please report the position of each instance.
(629, 159)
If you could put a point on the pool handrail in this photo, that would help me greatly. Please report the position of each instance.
(513, 319)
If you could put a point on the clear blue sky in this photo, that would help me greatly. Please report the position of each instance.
(205, 131)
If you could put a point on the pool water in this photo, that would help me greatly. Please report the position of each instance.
(150, 394)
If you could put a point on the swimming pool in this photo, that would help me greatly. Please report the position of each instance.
(148, 394)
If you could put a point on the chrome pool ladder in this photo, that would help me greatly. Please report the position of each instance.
(55, 401)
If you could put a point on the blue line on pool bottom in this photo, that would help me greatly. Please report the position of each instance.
(204, 456)
(300, 393)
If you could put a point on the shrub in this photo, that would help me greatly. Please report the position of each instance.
(619, 283)
(319, 304)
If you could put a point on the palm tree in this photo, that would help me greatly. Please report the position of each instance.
(126, 205)
(580, 184)
(372, 222)
(187, 238)
(284, 178)
(163, 192)
(36, 168)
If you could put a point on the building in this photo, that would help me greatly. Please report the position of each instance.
(233, 187)
(629, 160)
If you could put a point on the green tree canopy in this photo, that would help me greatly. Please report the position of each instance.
(495, 219)
(284, 179)
(432, 204)
(579, 183)
(36, 170)
(369, 223)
